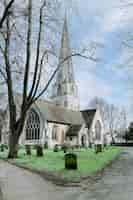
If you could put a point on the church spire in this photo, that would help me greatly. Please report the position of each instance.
(65, 52)
(65, 86)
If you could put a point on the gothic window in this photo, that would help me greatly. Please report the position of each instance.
(71, 138)
(59, 90)
(62, 137)
(70, 77)
(72, 89)
(0, 135)
(83, 140)
(98, 130)
(54, 132)
(33, 126)
(65, 104)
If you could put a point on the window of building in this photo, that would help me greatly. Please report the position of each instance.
(72, 88)
(98, 130)
(33, 126)
(54, 132)
(83, 140)
(62, 137)
(0, 135)
(65, 104)
(71, 138)
(59, 90)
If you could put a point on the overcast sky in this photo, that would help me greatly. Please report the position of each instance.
(109, 23)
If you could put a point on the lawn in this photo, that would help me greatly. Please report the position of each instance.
(53, 162)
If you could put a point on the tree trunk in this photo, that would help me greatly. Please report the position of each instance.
(16, 130)
(39, 151)
(28, 150)
(113, 140)
(13, 145)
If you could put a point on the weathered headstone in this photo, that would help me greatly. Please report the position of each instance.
(98, 148)
(71, 161)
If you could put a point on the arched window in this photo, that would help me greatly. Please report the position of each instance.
(0, 135)
(33, 126)
(65, 104)
(98, 129)
(62, 136)
(83, 140)
(54, 132)
(59, 90)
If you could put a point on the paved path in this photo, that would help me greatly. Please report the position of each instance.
(115, 184)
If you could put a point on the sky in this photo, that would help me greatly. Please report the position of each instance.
(108, 23)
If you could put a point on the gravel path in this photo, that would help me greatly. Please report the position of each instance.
(116, 183)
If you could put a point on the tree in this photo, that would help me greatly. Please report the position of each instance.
(13, 64)
(5, 12)
(129, 133)
(2, 122)
(114, 118)
(102, 106)
(122, 127)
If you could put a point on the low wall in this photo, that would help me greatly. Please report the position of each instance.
(123, 144)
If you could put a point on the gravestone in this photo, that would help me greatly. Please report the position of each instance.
(71, 161)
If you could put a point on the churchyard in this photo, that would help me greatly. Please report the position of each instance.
(88, 162)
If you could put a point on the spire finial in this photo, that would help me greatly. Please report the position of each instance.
(65, 16)
(65, 20)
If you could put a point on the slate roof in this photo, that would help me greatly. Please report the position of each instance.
(88, 116)
(73, 130)
(57, 114)
(60, 115)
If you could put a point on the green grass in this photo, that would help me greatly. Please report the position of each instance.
(88, 162)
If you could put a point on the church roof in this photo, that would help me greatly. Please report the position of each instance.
(73, 130)
(56, 114)
(60, 115)
(88, 116)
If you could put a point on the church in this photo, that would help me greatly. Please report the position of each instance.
(60, 120)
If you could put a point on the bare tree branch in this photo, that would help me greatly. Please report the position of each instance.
(3, 75)
(28, 53)
(39, 74)
(127, 45)
(56, 70)
(38, 50)
(5, 13)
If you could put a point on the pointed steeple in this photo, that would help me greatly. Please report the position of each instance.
(65, 74)
(65, 86)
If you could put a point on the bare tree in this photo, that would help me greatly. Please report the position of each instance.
(11, 64)
(2, 122)
(122, 123)
(102, 106)
(5, 12)
(113, 118)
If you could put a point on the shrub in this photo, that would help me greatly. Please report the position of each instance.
(28, 149)
(46, 145)
(56, 149)
(64, 148)
(3, 147)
